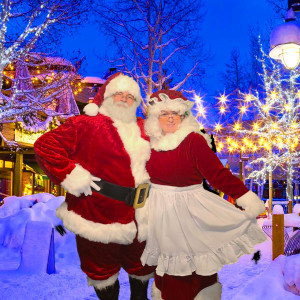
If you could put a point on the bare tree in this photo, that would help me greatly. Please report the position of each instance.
(156, 40)
(279, 7)
(234, 76)
(40, 24)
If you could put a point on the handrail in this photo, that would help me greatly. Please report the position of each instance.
(4, 195)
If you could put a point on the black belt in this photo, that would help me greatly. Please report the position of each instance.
(135, 197)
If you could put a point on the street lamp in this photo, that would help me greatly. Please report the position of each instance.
(285, 41)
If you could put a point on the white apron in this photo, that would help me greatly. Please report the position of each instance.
(193, 230)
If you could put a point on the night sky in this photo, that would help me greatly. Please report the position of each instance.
(226, 26)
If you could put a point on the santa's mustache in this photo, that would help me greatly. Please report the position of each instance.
(121, 104)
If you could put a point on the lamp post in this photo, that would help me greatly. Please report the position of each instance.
(285, 41)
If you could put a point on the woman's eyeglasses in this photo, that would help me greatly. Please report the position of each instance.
(171, 114)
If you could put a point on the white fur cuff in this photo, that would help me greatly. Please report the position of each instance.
(78, 181)
(101, 284)
(105, 233)
(252, 204)
(155, 292)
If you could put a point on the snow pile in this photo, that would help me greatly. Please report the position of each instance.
(244, 280)
(68, 281)
(278, 210)
(14, 204)
(296, 209)
(17, 211)
(281, 280)
(290, 267)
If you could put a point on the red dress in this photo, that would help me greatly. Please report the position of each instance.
(192, 233)
(189, 163)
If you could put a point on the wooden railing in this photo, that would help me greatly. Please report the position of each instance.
(280, 239)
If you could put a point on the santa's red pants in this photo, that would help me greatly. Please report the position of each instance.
(183, 287)
(100, 261)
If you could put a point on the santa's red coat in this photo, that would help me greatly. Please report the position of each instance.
(96, 144)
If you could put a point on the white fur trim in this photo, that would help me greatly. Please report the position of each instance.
(252, 204)
(97, 232)
(78, 181)
(212, 292)
(91, 109)
(123, 83)
(155, 292)
(141, 217)
(178, 104)
(142, 278)
(102, 284)
(137, 148)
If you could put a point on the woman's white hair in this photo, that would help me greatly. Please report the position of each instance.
(152, 126)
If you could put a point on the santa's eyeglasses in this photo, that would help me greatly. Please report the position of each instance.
(121, 95)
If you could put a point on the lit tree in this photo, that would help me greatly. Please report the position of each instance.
(22, 25)
(269, 123)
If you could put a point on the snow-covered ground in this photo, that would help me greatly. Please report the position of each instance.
(243, 280)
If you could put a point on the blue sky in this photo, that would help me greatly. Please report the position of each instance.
(226, 26)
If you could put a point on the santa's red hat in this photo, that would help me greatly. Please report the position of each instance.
(118, 82)
(169, 100)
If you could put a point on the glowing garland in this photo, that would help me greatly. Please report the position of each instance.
(266, 126)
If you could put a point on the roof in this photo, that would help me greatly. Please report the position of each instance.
(93, 79)
(58, 61)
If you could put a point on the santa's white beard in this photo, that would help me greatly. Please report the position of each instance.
(120, 110)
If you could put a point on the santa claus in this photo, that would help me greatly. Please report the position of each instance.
(99, 159)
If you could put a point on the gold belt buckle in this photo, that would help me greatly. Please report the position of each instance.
(144, 186)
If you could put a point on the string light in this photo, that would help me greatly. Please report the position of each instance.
(222, 109)
(248, 97)
(255, 126)
(273, 95)
(223, 99)
(265, 108)
(218, 127)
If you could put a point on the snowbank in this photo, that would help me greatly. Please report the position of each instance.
(17, 211)
(281, 280)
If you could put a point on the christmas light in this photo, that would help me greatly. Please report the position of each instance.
(274, 95)
(255, 126)
(222, 109)
(237, 126)
(248, 97)
(223, 99)
(218, 127)
(243, 109)
(265, 108)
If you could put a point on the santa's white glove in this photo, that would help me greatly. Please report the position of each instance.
(252, 205)
(80, 181)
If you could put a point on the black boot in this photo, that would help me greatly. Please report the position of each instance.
(109, 293)
(138, 289)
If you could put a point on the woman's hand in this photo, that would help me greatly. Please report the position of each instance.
(252, 205)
